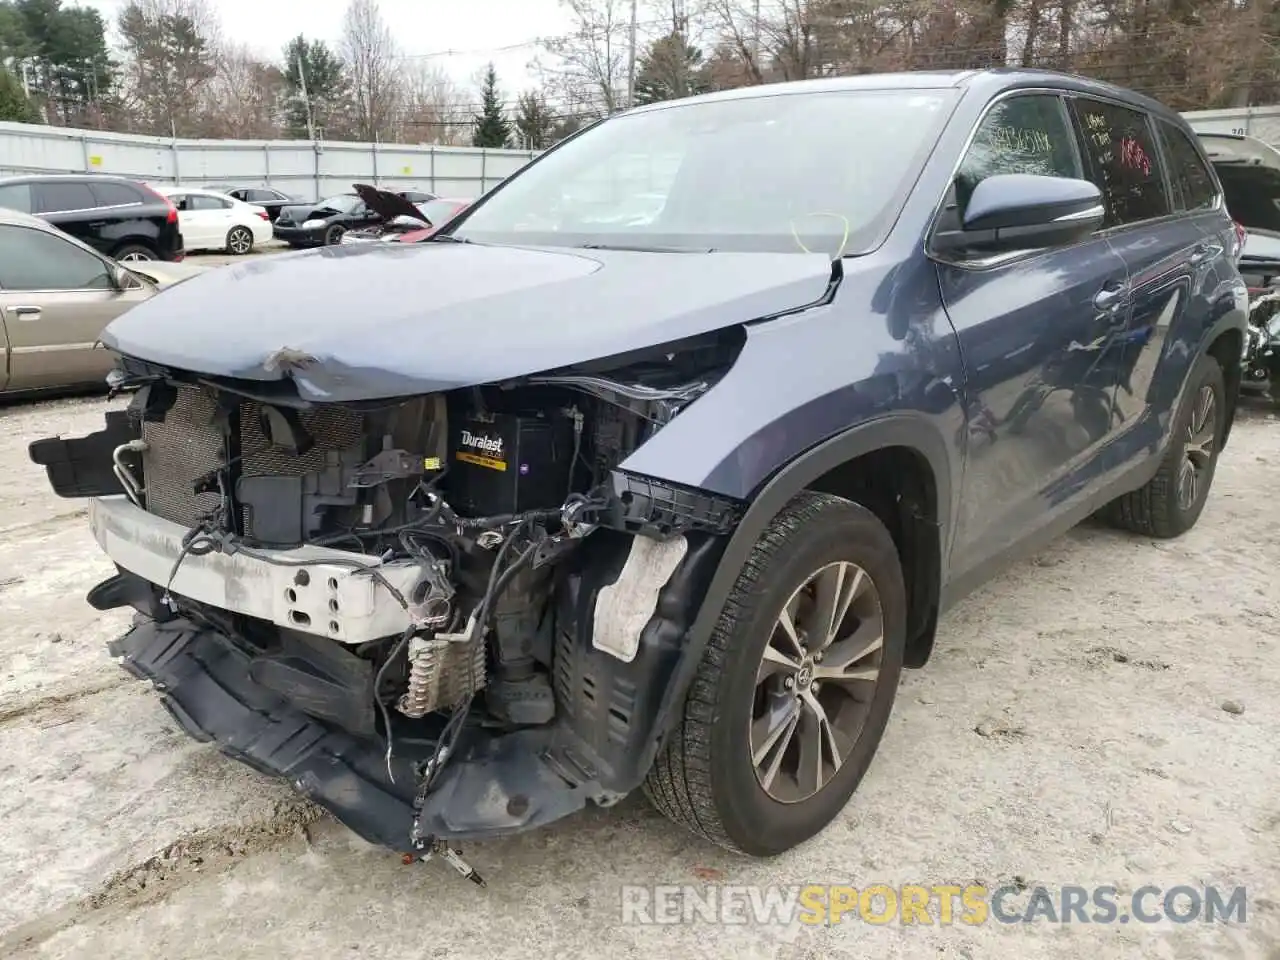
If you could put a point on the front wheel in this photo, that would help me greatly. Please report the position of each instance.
(239, 241)
(796, 686)
(333, 235)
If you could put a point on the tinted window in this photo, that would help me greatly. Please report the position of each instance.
(16, 196)
(262, 196)
(197, 202)
(72, 195)
(768, 173)
(1028, 134)
(1191, 178)
(1124, 162)
(115, 194)
(36, 260)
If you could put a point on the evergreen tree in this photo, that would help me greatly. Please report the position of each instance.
(492, 127)
(672, 68)
(312, 64)
(534, 123)
(15, 105)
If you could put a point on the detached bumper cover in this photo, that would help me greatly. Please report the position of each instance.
(493, 787)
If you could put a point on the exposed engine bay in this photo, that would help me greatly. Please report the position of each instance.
(448, 582)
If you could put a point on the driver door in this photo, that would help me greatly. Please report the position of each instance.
(55, 299)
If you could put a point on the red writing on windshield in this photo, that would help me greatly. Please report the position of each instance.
(1134, 157)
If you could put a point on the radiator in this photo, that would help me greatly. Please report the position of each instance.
(185, 447)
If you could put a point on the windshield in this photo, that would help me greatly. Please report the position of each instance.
(343, 202)
(438, 211)
(787, 172)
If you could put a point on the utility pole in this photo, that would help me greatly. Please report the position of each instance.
(631, 66)
(755, 34)
(306, 100)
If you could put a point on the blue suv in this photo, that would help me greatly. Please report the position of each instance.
(659, 463)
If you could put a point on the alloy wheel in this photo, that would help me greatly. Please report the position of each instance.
(136, 256)
(816, 681)
(1198, 450)
(240, 241)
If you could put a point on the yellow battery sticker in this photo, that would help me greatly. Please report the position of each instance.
(480, 461)
(430, 463)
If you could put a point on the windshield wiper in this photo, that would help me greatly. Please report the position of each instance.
(450, 238)
(637, 248)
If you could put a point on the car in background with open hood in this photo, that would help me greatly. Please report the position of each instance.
(326, 222)
(403, 220)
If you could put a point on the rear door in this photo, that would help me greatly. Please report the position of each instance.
(213, 218)
(55, 299)
(1169, 254)
(1034, 329)
(71, 206)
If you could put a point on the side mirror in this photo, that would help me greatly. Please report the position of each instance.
(1022, 211)
(119, 275)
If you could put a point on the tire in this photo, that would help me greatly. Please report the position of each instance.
(705, 777)
(333, 235)
(239, 241)
(1160, 509)
(134, 252)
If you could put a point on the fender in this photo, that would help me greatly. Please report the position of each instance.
(894, 430)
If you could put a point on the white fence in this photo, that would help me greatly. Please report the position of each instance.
(295, 166)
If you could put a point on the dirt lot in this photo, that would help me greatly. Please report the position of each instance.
(1070, 730)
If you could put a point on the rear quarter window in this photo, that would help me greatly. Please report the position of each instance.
(1124, 161)
(1192, 181)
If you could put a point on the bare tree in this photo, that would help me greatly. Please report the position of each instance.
(245, 97)
(371, 56)
(587, 68)
(432, 107)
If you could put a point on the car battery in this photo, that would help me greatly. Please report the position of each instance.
(508, 463)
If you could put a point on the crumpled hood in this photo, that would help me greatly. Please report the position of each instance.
(381, 319)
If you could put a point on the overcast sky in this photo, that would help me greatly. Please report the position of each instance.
(477, 29)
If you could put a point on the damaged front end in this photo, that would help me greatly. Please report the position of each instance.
(445, 616)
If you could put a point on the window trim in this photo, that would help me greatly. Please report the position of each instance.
(56, 235)
(1002, 259)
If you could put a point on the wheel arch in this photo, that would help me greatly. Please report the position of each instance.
(855, 464)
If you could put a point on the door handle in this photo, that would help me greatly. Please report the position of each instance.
(1204, 252)
(1109, 298)
(27, 313)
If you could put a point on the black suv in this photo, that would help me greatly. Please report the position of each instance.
(122, 218)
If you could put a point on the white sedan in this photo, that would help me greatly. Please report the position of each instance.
(214, 221)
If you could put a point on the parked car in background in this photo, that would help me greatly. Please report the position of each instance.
(403, 221)
(318, 224)
(126, 220)
(269, 198)
(216, 221)
(56, 295)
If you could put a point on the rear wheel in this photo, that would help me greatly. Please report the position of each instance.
(239, 241)
(794, 690)
(1171, 503)
(134, 253)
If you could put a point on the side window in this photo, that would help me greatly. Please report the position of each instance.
(1123, 161)
(38, 260)
(197, 202)
(1028, 134)
(54, 196)
(16, 196)
(180, 202)
(115, 194)
(1190, 176)
(261, 196)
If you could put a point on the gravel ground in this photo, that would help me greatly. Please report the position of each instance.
(1070, 730)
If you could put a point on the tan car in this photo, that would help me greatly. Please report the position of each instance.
(56, 295)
